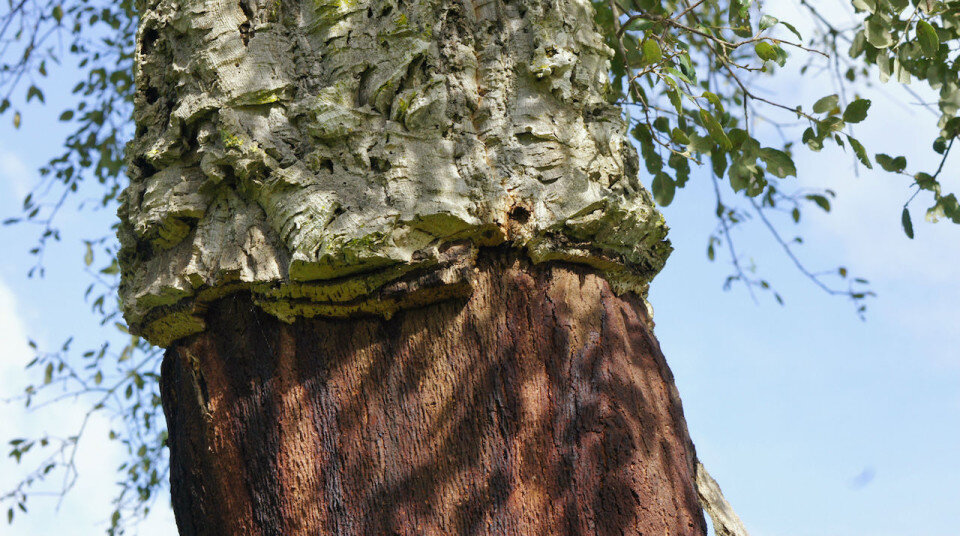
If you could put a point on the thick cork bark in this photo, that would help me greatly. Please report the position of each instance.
(308, 153)
(540, 405)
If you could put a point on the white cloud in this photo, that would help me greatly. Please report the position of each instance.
(14, 352)
(14, 174)
(87, 507)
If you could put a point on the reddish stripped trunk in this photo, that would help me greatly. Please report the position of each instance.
(540, 406)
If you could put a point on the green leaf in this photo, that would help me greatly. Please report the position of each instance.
(686, 67)
(811, 139)
(636, 25)
(16, 120)
(940, 145)
(779, 163)
(741, 173)
(738, 137)
(826, 104)
(830, 124)
(740, 18)
(767, 21)
(860, 152)
(681, 165)
(675, 100)
(926, 181)
(714, 100)
(821, 201)
(679, 136)
(67, 115)
(856, 111)
(651, 160)
(652, 53)
(952, 128)
(878, 35)
(715, 130)
(899, 5)
(929, 41)
(765, 51)
(718, 161)
(781, 56)
(34, 91)
(885, 161)
(889, 163)
(663, 189)
(88, 256)
(113, 269)
(682, 77)
(662, 124)
(58, 13)
(792, 28)
(907, 223)
(48, 374)
(858, 45)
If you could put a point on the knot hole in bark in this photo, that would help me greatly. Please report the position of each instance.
(147, 39)
(143, 169)
(380, 165)
(246, 27)
(520, 215)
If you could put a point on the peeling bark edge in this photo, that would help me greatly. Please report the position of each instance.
(380, 293)
(726, 522)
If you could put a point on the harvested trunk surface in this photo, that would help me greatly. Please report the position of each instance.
(539, 405)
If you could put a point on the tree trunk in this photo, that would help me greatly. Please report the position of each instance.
(399, 253)
(539, 405)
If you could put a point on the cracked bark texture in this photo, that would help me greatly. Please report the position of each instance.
(538, 406)
(312, 153)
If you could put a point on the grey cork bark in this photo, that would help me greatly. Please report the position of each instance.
(337, 158)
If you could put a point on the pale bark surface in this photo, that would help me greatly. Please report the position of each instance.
(726, 522)
(540, 405)
(310, 152)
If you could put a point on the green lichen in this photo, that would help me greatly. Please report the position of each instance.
(231, 141)
(172, 231)
(275, 10)
(330, 12)
(169, 328)
(260, 98)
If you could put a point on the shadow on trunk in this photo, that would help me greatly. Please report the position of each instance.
(541, 405)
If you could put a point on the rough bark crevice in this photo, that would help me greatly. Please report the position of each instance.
(538, 405)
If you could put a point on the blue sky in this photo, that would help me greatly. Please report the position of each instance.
(813, 421)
